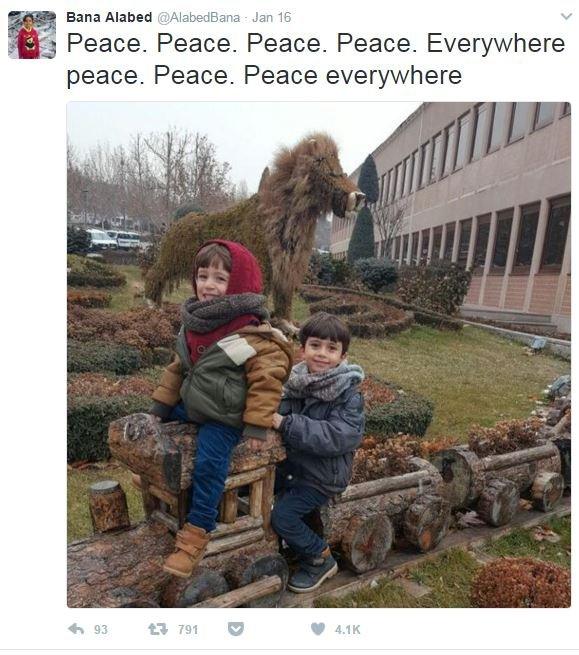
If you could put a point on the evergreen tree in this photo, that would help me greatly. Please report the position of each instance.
(361, 244)
(368, 180)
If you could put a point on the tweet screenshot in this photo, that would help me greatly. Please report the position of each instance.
(302, 379)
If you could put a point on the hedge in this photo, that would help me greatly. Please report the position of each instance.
(376, 274)
(87, 272)
(90, 299)
(84, 357)
(88, 424)
(410, 413)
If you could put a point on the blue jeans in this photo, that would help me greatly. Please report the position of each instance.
(215, 443)
(291, 506)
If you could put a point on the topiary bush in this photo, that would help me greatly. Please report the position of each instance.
(440, 286)
(88, 424)
(77, 240)
(85, 357)
(376, 274)
(90, 299)
(521, 582)
(86, 272)
(361, 244)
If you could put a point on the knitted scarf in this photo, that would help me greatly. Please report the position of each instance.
(203, 316)
(323, 386)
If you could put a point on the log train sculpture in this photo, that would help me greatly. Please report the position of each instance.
(121, 566)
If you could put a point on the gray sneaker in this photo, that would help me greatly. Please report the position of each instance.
(312, 573)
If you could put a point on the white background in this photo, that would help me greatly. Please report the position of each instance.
(33, 479)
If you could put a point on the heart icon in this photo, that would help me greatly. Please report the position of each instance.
(318, 628)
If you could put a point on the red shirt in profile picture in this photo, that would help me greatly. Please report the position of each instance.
(28, 44)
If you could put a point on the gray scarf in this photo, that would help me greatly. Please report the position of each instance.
(207, 315)
(323, 386)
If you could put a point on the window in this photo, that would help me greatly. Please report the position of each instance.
(449, 152)
(414, 259)
(519, 120)
(405, 248)
(424, 164)
(382, 182)
(556, 233)
(407, 175)
(397, 252)
(462, 141)
(435, 157)
(481, 243)
(464, 241)
(544, 114)
(527, 234)
(503, 236)
(498, 125)
(424, 247)
(449, 243)
(391, 183)
(480, 131)
(436, 241)
(399, 180)
(415, 171)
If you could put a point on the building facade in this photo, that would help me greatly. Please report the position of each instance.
(487, 186)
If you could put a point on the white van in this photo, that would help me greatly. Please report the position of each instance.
(100, 240)
(126, 240)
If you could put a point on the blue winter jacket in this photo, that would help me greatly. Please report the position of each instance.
(320, 439)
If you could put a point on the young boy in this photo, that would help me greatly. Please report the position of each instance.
(321, 419)
(28, 43)
(227, 376)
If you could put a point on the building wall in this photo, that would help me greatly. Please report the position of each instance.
(495, 174)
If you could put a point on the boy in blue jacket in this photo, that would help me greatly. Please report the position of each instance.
(321, 419)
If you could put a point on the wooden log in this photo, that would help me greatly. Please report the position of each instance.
(498, 502)
(246, 571)
(203, 585)
(165, 453)
(242, 524)
(563, 444)
(253, 592)
(111, 569)
(385, 485)
(247, 477)
(256, 498)
(228, 509)
(108, 506)
(236, 540)
(547, 490)
(426, 522)
(462, 474)
(506, 460)
(366, 542)
(267, 498)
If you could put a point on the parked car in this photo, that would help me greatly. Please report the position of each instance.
(100, 240)
(126, 240)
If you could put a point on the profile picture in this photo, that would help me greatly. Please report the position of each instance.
(31, 34)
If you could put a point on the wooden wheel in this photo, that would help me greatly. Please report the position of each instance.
(246, 571)
(498, 502)
(426, 522)
(462, 475)
(547, 490)
(366, 542)
(202, 585)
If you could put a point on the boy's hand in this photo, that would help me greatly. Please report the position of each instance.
(276, 421)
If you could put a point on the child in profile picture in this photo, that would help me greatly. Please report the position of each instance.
(28, 44)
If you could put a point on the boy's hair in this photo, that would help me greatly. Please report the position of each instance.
(213, 253)
(326, 326)
(28, 16)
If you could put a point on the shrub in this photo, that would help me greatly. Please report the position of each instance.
(86, 272)
(102, 356)
(406, 413)
(521, 582)
(361, 244)
(440, 287)
(323, 269)
(88, 423)
(376, 274)
(77, 240)
(89, 299)
(108, 386)
(504, 437)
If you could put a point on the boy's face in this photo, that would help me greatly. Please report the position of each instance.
(28, 22)
(321, 355)
(211, 282)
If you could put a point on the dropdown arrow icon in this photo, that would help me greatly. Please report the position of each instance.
(567, 16)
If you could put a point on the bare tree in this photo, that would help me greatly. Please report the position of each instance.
(388, 219)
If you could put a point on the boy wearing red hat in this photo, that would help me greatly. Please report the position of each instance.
(227, 376)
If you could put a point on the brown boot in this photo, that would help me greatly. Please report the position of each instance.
(191, 544)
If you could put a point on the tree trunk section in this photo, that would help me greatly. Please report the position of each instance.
(108, 506)
(426, 522)
(366, 542)
(462, 475)
(498, 502)
(547, 490)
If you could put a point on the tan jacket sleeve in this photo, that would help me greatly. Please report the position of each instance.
(168, 391)
(266, 372)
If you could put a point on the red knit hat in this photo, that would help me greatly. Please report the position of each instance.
(245, 276)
